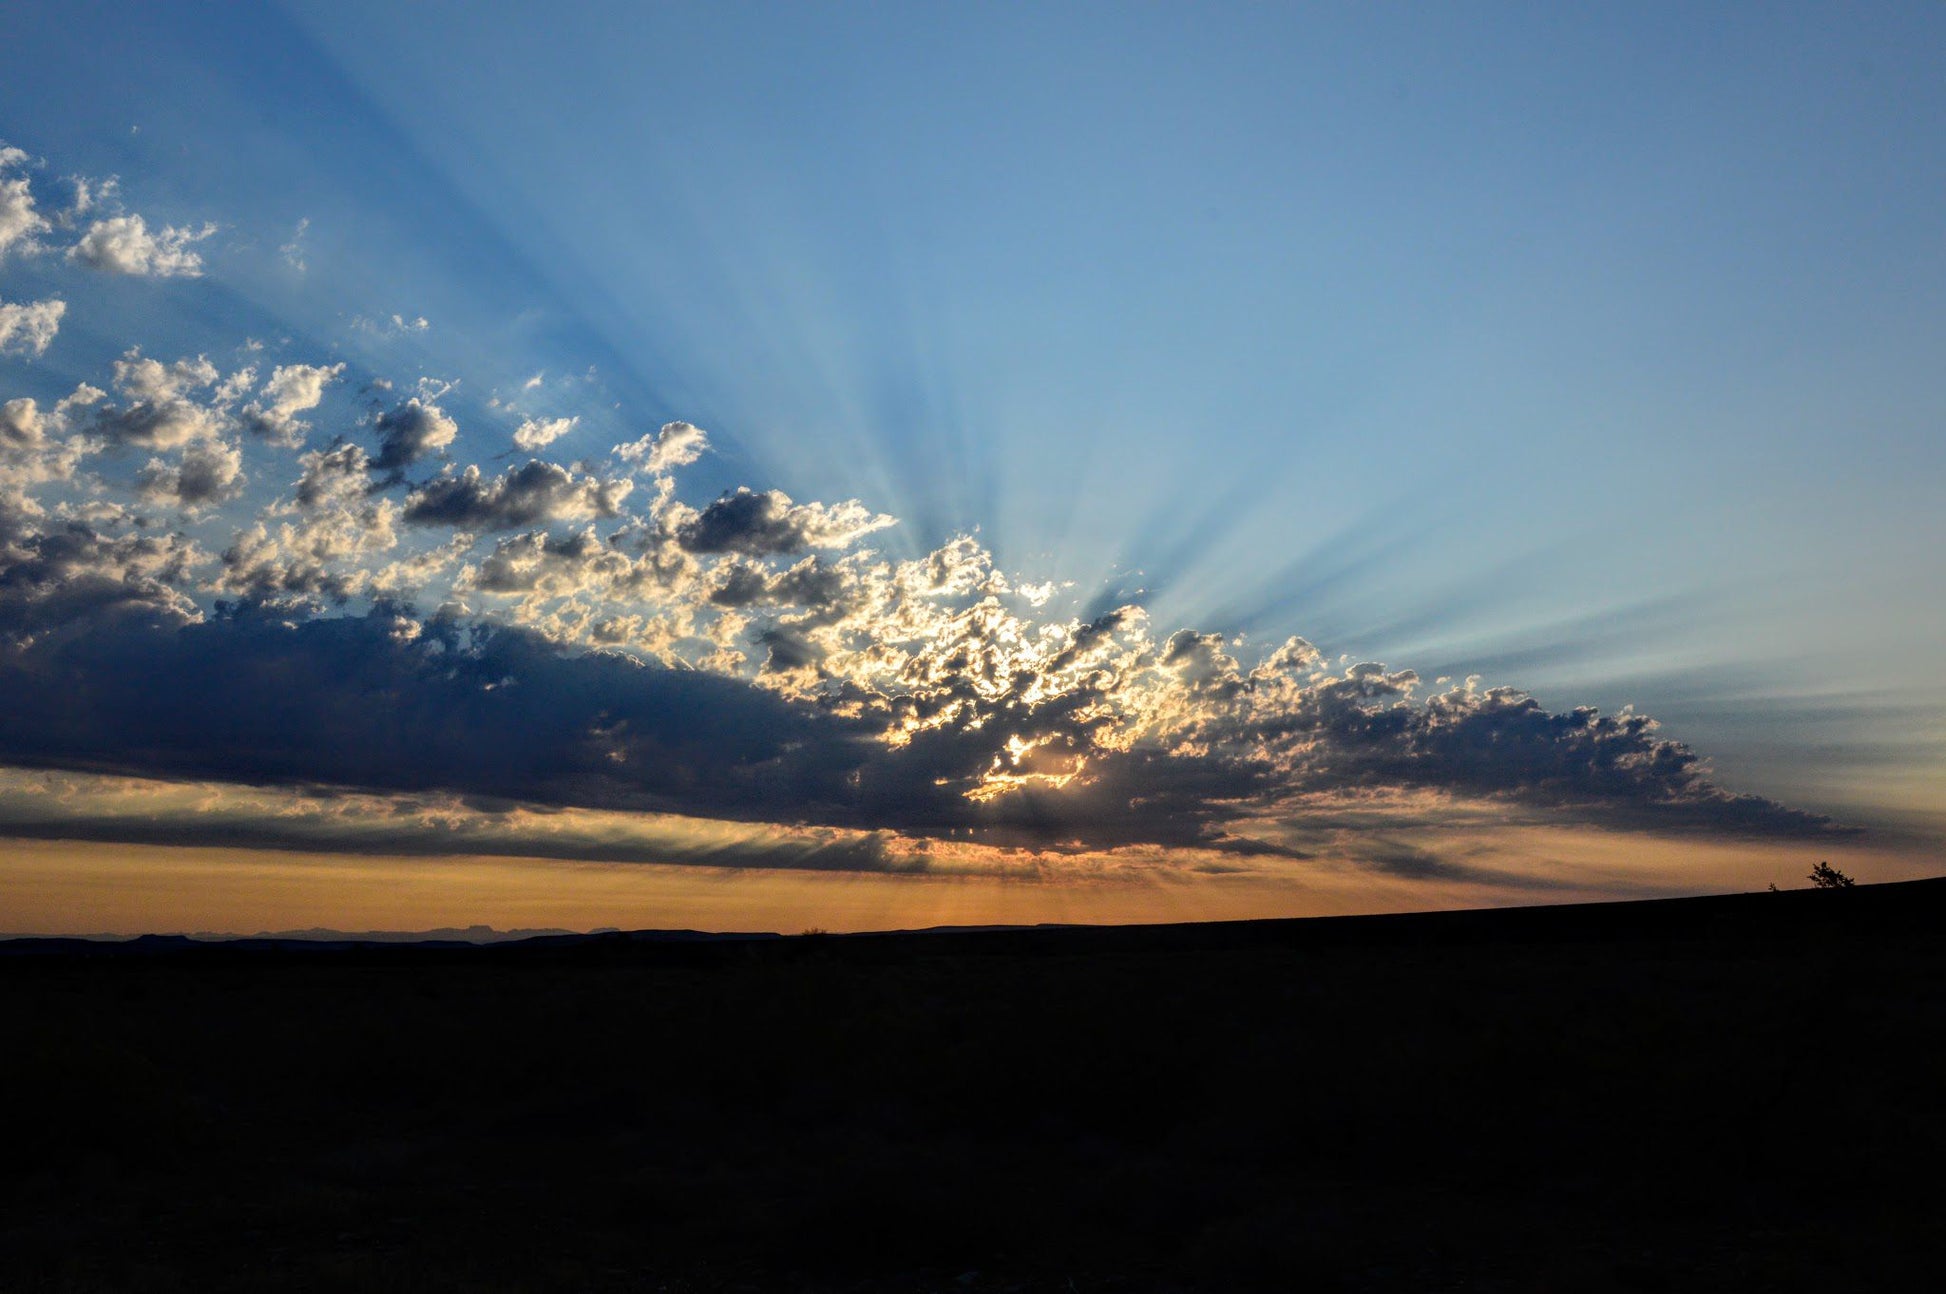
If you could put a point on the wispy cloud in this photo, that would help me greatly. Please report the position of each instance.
(293, 251)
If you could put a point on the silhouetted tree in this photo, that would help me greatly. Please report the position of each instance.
(1826, 877)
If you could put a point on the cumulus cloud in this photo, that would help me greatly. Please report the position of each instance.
(291, 390)
(158, 409)
(677, 444)
(28, 328)
(23, 428)
(324, 556)
(206, 474)
(150, 381)
(582, 588)
(33, 451)
(409, 432)
(538, 433)
(20, 221)
(766, 523)
(125, 245)
(333, 476)
(70, 583)
(335, 540)
(520, 497)
(538, 562)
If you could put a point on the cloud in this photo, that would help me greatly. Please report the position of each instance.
(395, 326)
(98, 807)
(33, 451)
(536, 433)
(124, 245)
(410, 432)
(293, 251)
(158, 408)
(19, 220)
(89, 195)
(23, 428)
(291, 390)
(520, 497)
(889, 696)
(206, 474)
(560, 566)
(149, 381)
(400, 705)
(335, 540)
(71, 584)
(393, 703)
(766, 523)
(28, 329)
(677, 444)
(326, 555)
(333, 476)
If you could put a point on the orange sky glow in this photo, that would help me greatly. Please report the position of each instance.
(70, 887)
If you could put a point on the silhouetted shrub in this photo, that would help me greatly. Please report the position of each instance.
(1826, 877)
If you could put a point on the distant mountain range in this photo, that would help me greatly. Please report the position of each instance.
(322, 934)
(477, 934)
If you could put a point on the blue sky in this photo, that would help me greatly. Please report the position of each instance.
(1595, 352)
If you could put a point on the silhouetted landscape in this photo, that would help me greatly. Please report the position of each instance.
(1739, 1092)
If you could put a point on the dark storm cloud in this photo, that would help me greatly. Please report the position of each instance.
(375, 702)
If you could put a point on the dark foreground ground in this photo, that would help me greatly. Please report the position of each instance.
(1745, 1093)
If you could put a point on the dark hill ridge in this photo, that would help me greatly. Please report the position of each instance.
(1729, 1093)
